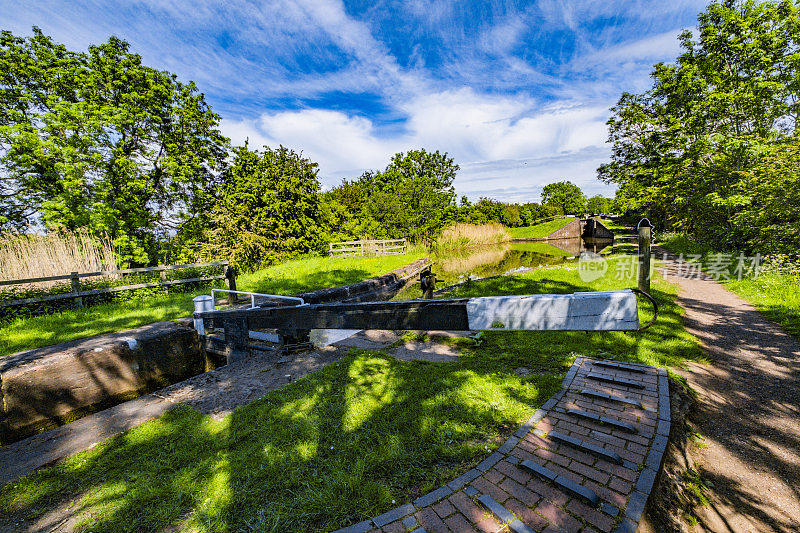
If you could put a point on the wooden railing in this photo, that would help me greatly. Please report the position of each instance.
(368, 247)
(77, 293)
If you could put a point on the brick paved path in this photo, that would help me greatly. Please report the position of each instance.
(564, 469)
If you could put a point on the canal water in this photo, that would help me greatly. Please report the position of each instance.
(508, 258)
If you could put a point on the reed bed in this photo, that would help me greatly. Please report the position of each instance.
(465, 235)
(56, 253)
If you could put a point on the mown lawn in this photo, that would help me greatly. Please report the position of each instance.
(291, 277)
(775, 294)
(353, 440)
(539, 231)
(310, 273)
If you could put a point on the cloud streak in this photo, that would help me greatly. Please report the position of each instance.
(517, 93)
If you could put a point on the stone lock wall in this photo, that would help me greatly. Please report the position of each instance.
(572, 230)
(47, 387)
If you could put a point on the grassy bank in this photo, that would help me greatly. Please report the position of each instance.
(297, 275)
(460, 236)
(775, 291)
(540, 231)
(348, 442)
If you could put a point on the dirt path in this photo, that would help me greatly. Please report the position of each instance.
(748, 410)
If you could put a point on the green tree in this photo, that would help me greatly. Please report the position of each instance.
(683, 151)
(413, 197)
(270, 208)
(99, 140)
(770, 222)
(598, 204)
(564, 195)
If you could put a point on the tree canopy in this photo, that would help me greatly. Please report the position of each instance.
(98, 140)
(269, 208)
(413, 197)
(565, 196)
(697, 151)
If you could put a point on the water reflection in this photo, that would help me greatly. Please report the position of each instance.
(506, 258)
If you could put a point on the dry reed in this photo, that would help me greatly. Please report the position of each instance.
(25, 256)
(466, 235)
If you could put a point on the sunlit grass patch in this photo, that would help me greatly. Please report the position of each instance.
(540, 231)
(309, 273)
(328, 450)
(295, 276)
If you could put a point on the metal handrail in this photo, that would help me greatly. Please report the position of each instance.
(253, 297)
(655, 308)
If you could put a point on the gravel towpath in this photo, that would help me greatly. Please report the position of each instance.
(748, 409)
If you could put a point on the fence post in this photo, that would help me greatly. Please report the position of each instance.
(76, 287)
(230, 273)
(645, 239)
(427, 282)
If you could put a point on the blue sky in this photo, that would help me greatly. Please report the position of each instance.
(517, 92)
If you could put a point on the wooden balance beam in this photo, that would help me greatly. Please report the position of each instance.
(580, 311)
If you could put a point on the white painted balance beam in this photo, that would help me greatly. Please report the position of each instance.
(580, 311)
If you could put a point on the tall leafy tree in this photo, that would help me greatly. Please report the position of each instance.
(598, 204)
(564, 195)
(683, 150)
(413, 197)
(99, 140)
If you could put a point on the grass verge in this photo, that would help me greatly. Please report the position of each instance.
(291, 277)
(353, 440)
(540, 231)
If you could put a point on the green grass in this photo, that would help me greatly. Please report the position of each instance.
(776, 295)
(310, 273)
(540, 231)
(617, 226)
(291, 277)
(33, 332)
(353, 440)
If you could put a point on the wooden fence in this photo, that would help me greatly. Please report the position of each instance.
(77, 293)
(368, 247)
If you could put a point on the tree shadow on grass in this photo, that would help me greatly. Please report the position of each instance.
(336, 447)
(343, 444)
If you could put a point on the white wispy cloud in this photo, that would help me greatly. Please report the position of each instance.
(473, 128)
(517, 93)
